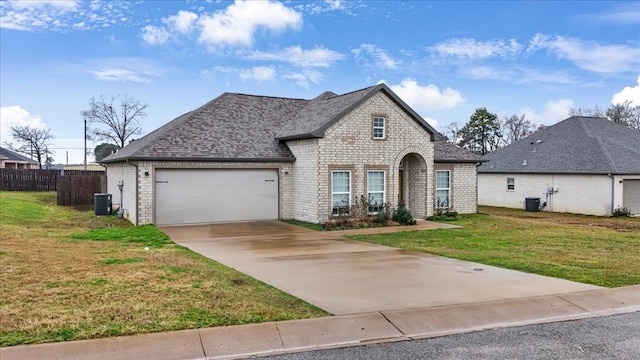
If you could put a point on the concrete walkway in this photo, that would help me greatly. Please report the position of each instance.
(271, 338)
(346, 277)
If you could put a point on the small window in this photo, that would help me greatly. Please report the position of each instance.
(378, 127)
(340, 192)
(375, 190)
(511, 184)
(443, 189)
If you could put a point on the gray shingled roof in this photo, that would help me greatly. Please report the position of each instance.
(446, 152)
(14, 156)
(577, 145)
(238, 127)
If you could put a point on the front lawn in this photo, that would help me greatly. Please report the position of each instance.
(68, 275)
(595, 250)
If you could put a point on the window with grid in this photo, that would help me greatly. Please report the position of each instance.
(340, 192)
(375, 190)
(443, 188)
(511, 184)
(378, 127)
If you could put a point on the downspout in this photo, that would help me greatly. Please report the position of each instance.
(477, 165)
(613, 188)
(135, 165)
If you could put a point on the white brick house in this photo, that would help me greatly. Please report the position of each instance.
(244, 157)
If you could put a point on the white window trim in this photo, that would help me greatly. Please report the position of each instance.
(384, 188)
(513, 183)
(340, 192)
(447, 188)
(383, 127)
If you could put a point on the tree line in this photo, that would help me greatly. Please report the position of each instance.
(484, 132)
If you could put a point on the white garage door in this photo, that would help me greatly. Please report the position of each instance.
(207, 196)
(631, 196)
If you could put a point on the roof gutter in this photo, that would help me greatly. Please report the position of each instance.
(202, 159)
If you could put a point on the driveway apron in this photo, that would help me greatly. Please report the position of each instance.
(345, 277)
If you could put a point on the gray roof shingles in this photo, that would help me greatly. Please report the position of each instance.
(577, 145)
(238, 127)
(14, 156)
(446, 152)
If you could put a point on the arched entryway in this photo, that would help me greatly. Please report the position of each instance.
(412, 183)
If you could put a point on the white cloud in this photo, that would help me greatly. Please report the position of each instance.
(237, 24)
(431, 121)
(589, 55)
(552, 112)
(259, 73)
(17, 116)
(118, 75)
(154, 35)
(61, 15)
(305, 77)
(471, 49)
(183, 22)
(628, 94)
(66, 5)
(318, 57)
(623, 15)
(379, 56)
(427, 97)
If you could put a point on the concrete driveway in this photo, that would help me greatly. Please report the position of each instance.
(350, 277)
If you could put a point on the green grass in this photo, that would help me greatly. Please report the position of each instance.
(147, 235)
(599, 251)
(69, 275)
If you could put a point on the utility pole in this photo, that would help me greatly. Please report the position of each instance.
(85, 144)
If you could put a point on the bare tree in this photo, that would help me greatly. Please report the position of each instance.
(452, 132)
(594, 111)
(114, 119)
(515, 128)
(625, 114)
(32, 142)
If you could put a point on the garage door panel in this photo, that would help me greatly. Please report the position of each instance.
(631, 195)
(205, 196)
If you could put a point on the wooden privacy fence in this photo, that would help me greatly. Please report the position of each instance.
(28, 179)
(74, 187)
(80, 189)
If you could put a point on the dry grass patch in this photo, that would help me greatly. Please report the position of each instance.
(58, 283)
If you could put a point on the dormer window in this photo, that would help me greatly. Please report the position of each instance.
(378, 127)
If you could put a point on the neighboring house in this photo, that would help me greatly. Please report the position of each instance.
(583, 165)
(88, 167)
(245, 157)
(13, 160)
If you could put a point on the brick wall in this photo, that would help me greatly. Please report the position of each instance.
(463, 186)
(304, 180)
(348, 143)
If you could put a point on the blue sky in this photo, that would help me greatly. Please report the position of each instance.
(444, 58)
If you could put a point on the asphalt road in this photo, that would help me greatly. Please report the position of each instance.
(610, 337)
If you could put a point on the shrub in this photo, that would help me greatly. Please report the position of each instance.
(402, 215)
(444, 214)
(621, 212)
